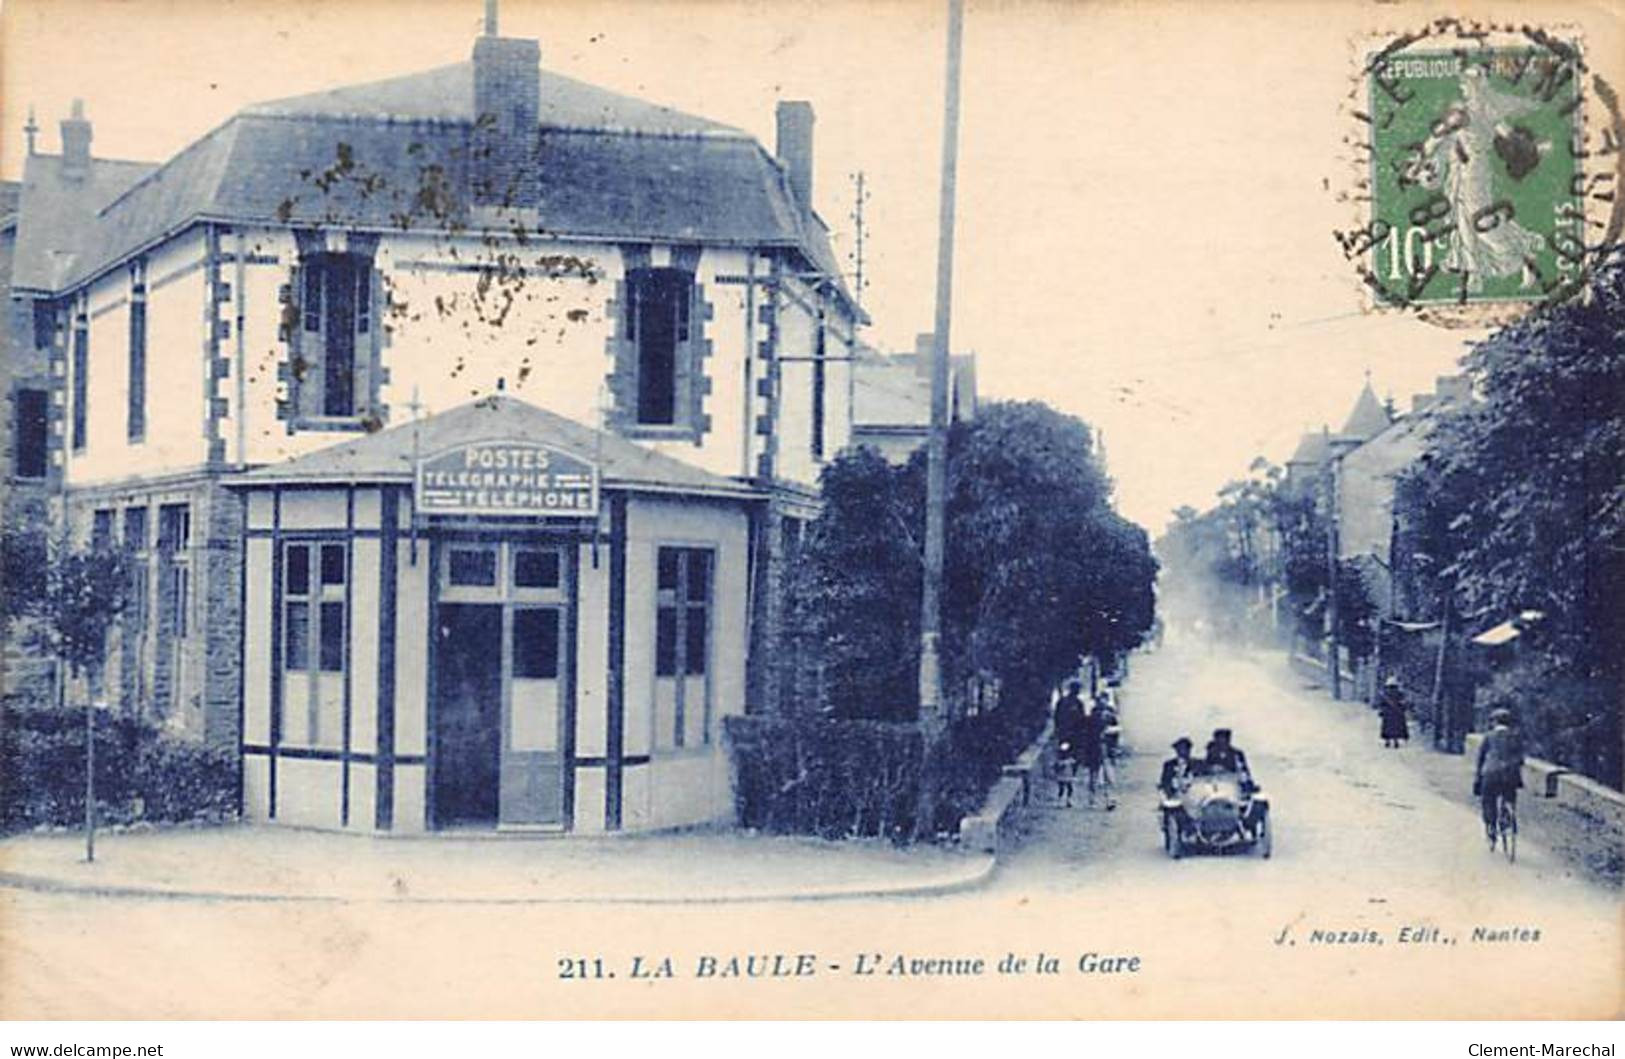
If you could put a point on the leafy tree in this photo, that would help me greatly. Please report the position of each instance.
(1519, 502)
(1530, 478)
(63, 600)
(1039, 570)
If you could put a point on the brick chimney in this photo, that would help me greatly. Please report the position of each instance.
(76, 143)
(507, 134)
(795, 147)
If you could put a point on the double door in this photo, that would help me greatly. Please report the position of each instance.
(503, 683)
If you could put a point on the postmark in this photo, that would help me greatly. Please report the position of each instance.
(1486, 170)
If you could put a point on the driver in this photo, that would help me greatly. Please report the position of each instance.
(1225, 756)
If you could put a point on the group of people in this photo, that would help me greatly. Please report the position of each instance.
(1086, 741)
(1222, 755)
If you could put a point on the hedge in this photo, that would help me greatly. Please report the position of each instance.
(142, 773)
(853, 779)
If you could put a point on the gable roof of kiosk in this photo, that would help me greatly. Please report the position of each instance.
(387, 456)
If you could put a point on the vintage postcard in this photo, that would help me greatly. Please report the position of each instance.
(931, 509)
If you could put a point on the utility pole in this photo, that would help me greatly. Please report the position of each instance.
(1331, 580)
(860, 195)
(937, 453)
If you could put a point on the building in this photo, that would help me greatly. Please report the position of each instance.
(891, 397)
(1368, 473)
(263, 358)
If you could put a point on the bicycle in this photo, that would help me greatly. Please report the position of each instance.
(1506, 827)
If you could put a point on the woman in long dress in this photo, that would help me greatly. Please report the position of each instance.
(1395, 727)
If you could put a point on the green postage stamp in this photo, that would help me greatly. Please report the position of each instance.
(1477, 180)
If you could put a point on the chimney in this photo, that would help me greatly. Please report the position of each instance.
(925, 345)
(795, 147)
(1452, 387)
(76, 143)
(507, 132)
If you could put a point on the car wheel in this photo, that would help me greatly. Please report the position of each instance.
(1265, 839)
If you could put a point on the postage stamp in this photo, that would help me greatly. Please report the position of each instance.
(1485, 190)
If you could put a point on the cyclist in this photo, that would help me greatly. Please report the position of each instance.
(1499, 773)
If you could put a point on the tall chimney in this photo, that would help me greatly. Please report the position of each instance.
(795, 147)
(76, 143)
(507, 132)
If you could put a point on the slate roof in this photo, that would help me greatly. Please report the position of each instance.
(1313, 448)
(10, 190)
(394, 154)
(387, 455)
(1368, 419)
(57, 216)
(894, 390)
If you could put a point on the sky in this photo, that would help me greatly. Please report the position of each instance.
(1147, 191)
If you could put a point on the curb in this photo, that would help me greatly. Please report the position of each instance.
(969, 880)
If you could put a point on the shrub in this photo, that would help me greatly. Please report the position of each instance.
(141, 772)
(1572, 722)
(861, 779)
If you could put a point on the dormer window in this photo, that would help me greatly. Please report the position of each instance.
(332, 372)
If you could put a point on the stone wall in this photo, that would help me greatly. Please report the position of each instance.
(1579, 818)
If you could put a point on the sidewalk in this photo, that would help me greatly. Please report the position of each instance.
(252, 863)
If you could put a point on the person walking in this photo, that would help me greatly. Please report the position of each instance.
(1092, 755)
(1070, 721)
(1392, 710)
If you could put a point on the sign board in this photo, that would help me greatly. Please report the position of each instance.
(506, 478)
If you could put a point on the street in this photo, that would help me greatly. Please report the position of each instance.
(1370, 852)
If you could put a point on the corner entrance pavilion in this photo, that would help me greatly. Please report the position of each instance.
(495, 618)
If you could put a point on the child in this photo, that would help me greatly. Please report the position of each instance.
(1066, 771)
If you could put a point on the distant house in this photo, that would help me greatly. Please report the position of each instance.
(1351, 477)
(457, 425)
(891, 397)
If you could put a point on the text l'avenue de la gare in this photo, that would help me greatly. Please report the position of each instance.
(644, 967)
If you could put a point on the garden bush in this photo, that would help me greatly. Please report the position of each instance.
(142, 773)
(861, 779)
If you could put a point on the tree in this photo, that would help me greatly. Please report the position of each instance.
(65, 600)
(1040, 571)
(1520, 496)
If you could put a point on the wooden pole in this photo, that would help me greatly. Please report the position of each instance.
(937, 452)
(90, 781)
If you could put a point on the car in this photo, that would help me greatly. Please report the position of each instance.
(1216, 811)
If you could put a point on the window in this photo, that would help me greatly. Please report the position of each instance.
(136, 417)
(135, 547)
(683, 647)
(313, 614)
(101, 530)
(472, 567)
(534, 568)
(174, 542)
(333, 342)
(44, 324)
(81, 378)
(536, 643)
(32, 409)
(656, 325)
